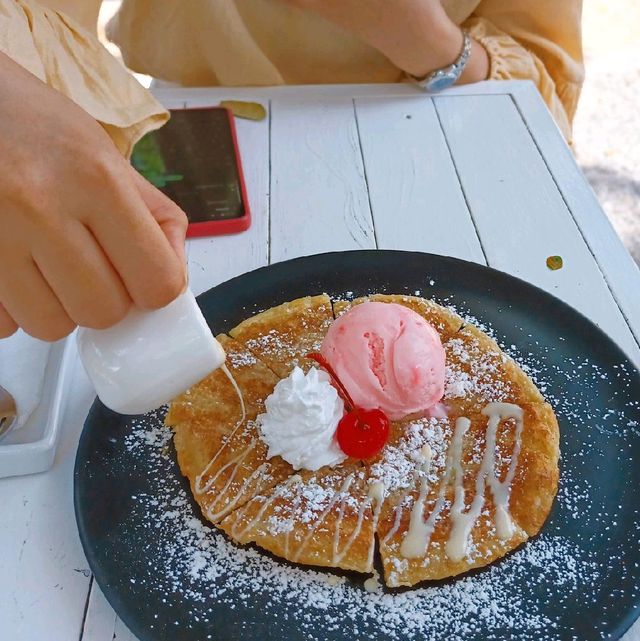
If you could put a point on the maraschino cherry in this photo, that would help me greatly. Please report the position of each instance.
(361, 433)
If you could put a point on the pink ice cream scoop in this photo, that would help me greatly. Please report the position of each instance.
(387, 357)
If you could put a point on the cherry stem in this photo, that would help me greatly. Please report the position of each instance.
(322, 361)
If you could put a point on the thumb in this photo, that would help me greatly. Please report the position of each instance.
(8, 326)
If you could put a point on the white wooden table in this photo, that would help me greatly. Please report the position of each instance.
(480, 173)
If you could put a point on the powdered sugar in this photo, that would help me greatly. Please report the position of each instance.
(273, 342)
(457, 383)
(205, 568)
(241, 359)
(523, 596)
(279, 344)
(473, 371)
(401, 459)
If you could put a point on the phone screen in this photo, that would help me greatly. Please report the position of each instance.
(192, 159)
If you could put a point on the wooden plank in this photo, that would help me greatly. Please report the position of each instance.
(415, 195)
(634, 632)
(620, 271)
(216, 259)
(319, 198)
(44, 576)
(100, 621)
(520, 215)
(122, 632)
(174, 101)
(320, 92)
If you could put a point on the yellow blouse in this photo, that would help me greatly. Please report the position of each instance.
(267, 42)
(69, 58)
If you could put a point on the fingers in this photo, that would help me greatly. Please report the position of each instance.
(8, 326)
(138, 249)
(88, 269)
(31, 303)
(172, 220)
(78, 241)
(81, 276)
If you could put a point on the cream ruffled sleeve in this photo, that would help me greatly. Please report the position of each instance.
(538, 40)
(68, 58)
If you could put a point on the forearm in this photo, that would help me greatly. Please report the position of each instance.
(426, 39)
(419, 37)
(83, 11)
(429, 41)
(416, 35)
(72, 200)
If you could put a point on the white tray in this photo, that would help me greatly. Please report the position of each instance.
(32, 448)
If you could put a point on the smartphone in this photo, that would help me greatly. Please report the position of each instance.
(194, 160)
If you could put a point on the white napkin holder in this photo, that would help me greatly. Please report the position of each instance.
(32, 448)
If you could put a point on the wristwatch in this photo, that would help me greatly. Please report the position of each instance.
(446, 76)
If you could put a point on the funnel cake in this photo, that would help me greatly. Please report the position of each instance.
(216, 437)
(325, 518)
(282, 336)
(446, 494)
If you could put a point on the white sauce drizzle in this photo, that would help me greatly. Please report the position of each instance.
(238, 391)
(344, 488)
(376, 491)
(418, 536)
(257, 473)
(462, 522)
(502, 490)
(296, 478)
(376, 495)
(419, 532)
(371, 585)
(199, 486)
(296, 505)
(396, 522)
(235, 462)
(338, 556)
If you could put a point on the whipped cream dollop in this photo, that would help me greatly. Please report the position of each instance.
(303, 412)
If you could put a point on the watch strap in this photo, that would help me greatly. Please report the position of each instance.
(452, 71)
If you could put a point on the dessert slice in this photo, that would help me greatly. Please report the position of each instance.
(282, 336)
(450, 517)
(326, 518)
(479, 372)
(216, 436)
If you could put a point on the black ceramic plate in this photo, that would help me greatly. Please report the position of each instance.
(170, 576)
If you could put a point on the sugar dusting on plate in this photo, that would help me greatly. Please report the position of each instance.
(204, 567)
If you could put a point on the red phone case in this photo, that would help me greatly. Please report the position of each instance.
(233, 225)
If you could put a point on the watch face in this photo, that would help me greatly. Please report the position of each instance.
(440, 82)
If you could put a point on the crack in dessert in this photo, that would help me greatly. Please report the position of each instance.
(449, 491)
